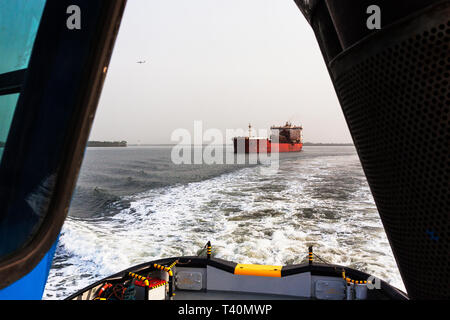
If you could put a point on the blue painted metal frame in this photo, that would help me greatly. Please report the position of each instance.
(32, 285)
(48, 136)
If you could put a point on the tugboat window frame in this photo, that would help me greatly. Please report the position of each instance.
(22, 25)
(34, 122)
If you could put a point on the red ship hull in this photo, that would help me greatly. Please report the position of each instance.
(287, 147)
(264, 146)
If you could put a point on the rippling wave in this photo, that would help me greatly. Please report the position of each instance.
(132, 205)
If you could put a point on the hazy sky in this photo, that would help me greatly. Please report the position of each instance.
(226, 63)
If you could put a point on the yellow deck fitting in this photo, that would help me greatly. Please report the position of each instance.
(310, 255)
(157, 285)
(348, 280)
(136, 276)
(172, 265)
(258, 270)
(164, 268)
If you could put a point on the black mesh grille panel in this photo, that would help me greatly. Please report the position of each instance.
(394, 91)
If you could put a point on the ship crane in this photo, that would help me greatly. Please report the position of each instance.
(287, 138)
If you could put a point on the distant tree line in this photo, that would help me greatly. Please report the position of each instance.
(327, 144)
(124, 144)
(230, 144)
(107, 144)
(95, 144)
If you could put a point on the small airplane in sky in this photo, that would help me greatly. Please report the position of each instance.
(141, 62)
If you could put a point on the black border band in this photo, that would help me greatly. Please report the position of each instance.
(11, 82)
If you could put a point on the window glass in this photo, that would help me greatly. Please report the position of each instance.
(19, 22)
(7, 107)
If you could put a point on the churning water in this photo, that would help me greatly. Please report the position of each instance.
(134, 205)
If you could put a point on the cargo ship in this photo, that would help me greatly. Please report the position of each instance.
(287, 138)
